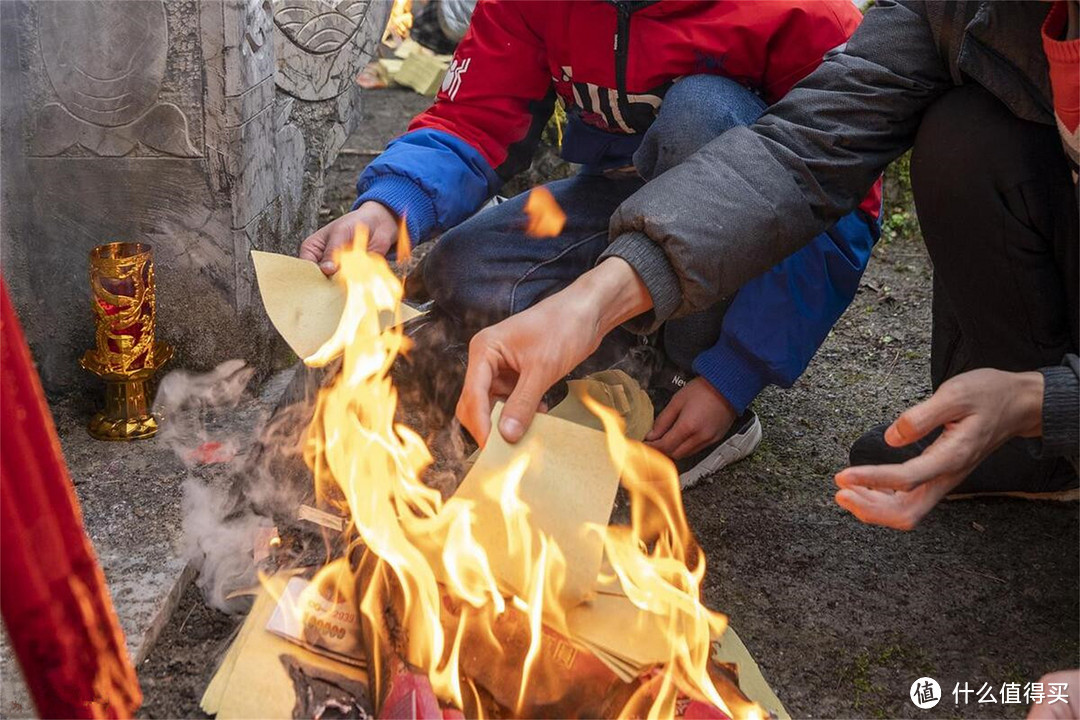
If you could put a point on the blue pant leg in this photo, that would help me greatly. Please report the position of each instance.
(487, 268)
(696, 110)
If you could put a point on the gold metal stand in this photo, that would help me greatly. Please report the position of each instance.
(126, 356)
(127, 413)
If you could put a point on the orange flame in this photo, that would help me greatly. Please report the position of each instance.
(401, 19)
(404, 247)
(364, 460)
(546, 218)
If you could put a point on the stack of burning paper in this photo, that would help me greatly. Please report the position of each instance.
(322, 619)
(274, 669)
(297, 631)
(514, 597)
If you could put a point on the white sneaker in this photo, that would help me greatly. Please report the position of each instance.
(741, 440)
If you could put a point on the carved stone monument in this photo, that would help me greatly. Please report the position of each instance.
(201, 127)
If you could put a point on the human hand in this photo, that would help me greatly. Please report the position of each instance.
(322, 245)
(1058, 710)
(980, 410)
(697, 416)
(521, 357)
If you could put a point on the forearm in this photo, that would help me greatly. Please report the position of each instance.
(531, 350)
(431, 178)
(1028, 391)
(652, 269)
(614, 293)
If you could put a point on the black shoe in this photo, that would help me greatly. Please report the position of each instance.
(871, 448)
(642, 361)
(1011, 471)
(741, 440)
(646, 362)
(665, 381)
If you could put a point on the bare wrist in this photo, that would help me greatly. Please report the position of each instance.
(614, 291)
(1029, 388)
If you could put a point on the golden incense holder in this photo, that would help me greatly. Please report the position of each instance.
(126, 355)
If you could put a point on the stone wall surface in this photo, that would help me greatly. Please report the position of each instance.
(203, 127)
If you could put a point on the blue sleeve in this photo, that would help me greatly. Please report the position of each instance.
(777, 321)
(433, 178)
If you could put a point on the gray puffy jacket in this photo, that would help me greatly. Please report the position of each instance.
(760, 193)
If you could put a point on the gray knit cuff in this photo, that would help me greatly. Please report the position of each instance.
(1060, 412)
(652, 266)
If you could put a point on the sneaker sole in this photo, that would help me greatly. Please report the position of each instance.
(732, 451)
(1071, 495)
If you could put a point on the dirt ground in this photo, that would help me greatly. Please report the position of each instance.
(841, 617)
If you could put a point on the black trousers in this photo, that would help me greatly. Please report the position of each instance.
(998, 211)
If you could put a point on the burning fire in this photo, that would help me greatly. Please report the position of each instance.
(401, 19)
(546, 218)
(428, 587)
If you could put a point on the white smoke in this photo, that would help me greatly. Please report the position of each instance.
(185, 403)
(245, 473)
(219, 547)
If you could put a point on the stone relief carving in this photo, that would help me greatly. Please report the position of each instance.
(106, 62)
(319, 26)
(261, 28)
(291, 147)
(322, 44)
(250, 101)
(249, 33)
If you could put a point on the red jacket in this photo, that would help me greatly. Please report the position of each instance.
(1063, 56)
(610, 63)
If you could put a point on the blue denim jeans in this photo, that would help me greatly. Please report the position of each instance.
(487, 268)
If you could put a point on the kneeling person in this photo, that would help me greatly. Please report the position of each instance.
(668, 79)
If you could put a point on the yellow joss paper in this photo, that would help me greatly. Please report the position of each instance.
(303, 304)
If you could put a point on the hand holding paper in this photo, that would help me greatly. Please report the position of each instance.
(305, 305)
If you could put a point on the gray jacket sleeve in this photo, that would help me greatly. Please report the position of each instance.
(1061, 410)
(756, 194)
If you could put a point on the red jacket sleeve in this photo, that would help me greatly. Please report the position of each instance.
(498, 93)
(801, 40)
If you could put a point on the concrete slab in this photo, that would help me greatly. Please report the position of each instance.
(130, 495)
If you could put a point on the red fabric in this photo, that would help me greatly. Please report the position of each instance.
(1064, 59)
(53, 597)
(517, 51)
